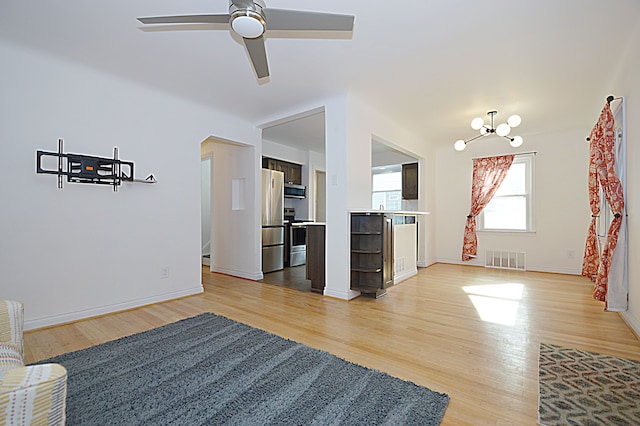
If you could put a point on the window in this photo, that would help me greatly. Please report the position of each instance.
(606, 215)
(511, 209)
(386, 188)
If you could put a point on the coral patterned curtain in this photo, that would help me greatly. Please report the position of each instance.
(591, 258)
(602, 160)
(488, 174)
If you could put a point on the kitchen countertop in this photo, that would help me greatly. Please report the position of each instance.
(398, 212)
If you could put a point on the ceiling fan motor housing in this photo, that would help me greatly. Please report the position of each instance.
(247, 18)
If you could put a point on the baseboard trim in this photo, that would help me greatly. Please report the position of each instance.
(344, 295)
(48, 321)
(255, 276)
(566, 271)
(405, 275)
(531, 268)
(632, 322)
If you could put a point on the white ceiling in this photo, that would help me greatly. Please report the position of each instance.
(432, 66)
(305, 133)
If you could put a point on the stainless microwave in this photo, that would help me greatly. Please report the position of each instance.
(294, 191)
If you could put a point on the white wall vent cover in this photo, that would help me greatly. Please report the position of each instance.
(505, 259)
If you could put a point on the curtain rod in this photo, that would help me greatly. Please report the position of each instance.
(611, 98)
(518, 153)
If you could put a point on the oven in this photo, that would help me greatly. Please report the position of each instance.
(297, 244)
(295, 239)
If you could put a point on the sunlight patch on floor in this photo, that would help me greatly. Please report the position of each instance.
(496, 303)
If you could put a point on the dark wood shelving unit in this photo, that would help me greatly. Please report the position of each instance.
(371, 253)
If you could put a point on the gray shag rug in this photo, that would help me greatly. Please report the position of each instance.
(211, 370)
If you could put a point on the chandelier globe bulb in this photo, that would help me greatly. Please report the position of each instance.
(460, 145)
(477, 123)
(503, 129)
(514, 120)
(516, 141)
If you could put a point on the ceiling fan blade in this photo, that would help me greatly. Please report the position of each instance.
(258, 55)
(281, 19)
(186, 19)
(243, 4)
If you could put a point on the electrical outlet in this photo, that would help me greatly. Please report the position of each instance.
(164, 272)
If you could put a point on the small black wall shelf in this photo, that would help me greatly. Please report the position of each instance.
(80, 168)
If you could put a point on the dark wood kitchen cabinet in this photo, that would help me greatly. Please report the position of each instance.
(371, 253)
(295, 174)
(410, 181)
(315, 257)
(292, 172)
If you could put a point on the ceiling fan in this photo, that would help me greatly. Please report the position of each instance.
(250, 19)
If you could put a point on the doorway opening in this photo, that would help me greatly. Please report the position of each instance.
(205, 209)
(298, 140)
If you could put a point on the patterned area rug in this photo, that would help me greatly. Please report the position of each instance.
(586, 388)
(210, 370)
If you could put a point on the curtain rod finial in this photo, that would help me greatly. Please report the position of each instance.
(610, 98)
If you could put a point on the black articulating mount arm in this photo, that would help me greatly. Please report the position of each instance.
(80, 168)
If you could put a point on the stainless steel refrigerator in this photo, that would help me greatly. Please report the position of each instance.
(272, 220)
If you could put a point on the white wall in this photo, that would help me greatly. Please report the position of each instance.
(340, 168)
(205, 211)
(366, 122)
(236, 238)
(282, 152)
(627, 84)
(87, 250)
(317, 163)
(351, 126)
(561, 201)
(390, 158)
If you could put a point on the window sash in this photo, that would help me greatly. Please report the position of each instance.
(389, 200)
(488, 221)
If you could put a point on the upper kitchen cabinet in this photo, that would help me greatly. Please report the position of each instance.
(295, 174)
(292, 172)
(410, 181)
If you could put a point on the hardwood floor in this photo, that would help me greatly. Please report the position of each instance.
(428, 329)
(293, 277)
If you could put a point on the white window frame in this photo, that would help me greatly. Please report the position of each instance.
(528, 160)
(390, 169)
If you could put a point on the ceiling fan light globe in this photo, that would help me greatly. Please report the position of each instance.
(459, 145)
(477, 123)
(503, 129)
(248, 26)
(516, 141)
(514, 120)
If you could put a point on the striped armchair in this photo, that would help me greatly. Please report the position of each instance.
(29, 395)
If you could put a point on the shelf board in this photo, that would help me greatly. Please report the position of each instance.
(366, 270)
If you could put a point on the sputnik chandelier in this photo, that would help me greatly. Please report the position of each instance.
(487, 129)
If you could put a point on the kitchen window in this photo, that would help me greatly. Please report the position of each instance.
(386, 188)
(511, 208)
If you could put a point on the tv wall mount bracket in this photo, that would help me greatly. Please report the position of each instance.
(80, 168)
